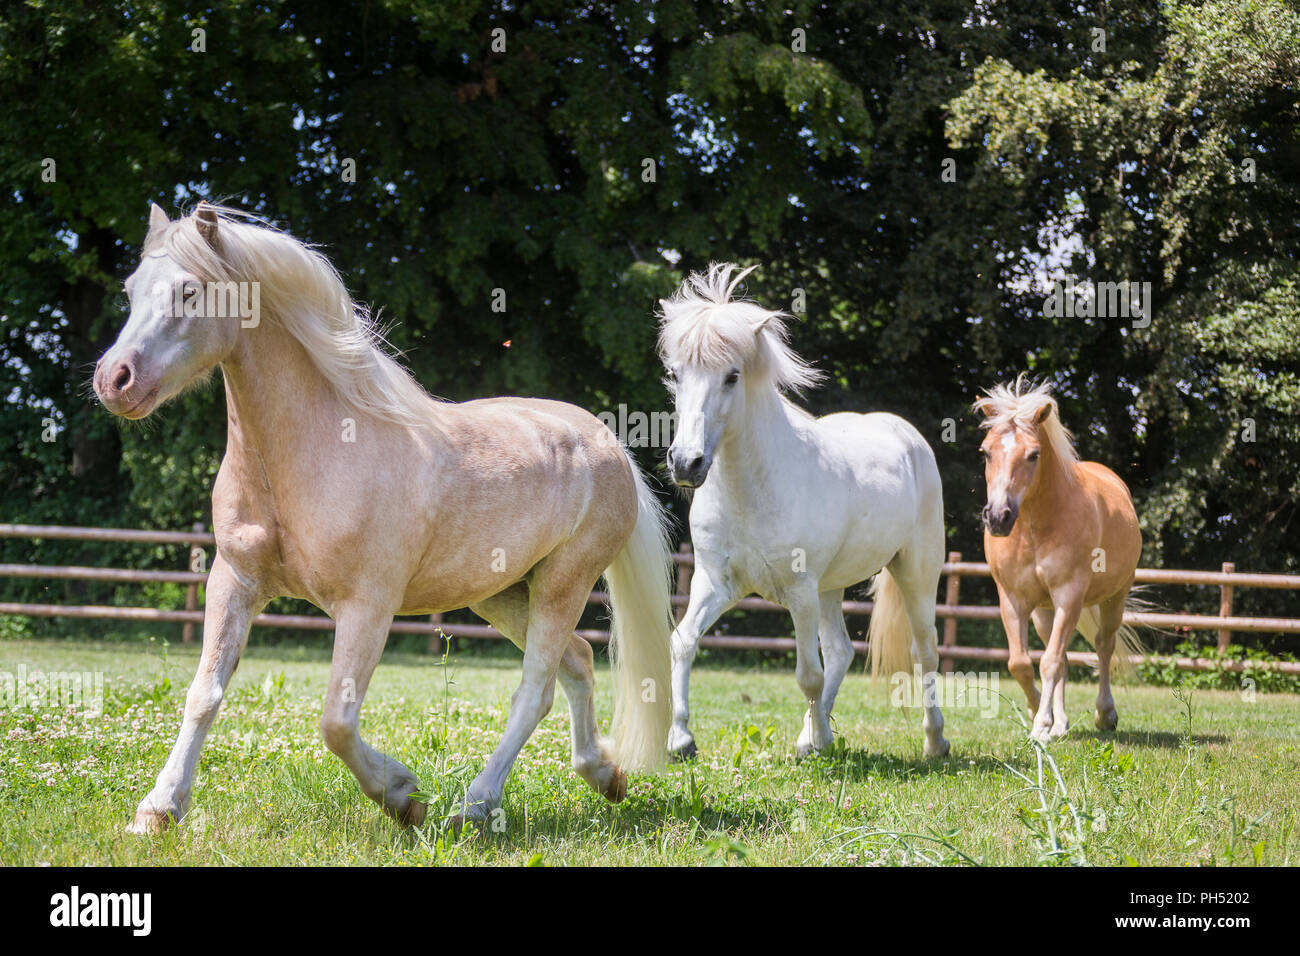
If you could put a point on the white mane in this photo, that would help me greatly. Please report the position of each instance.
(1017, 403)
(303, 292)
(702, 325)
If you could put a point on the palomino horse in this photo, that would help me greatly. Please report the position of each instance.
(1062, 540)
(345, 484)
(795, 509)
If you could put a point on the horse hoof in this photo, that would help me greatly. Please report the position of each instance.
(941, 749)
(686, 751)
(412, 815)
(617, 788)
(460, 821)
(1045, 735)
(1106, 721)
(475, 813)
(148, 822)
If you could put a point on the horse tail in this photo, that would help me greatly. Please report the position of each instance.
(1127, 641)
(889, 637)
(640, 600)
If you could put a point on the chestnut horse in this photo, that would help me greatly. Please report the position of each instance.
(346, 484)
(1062, 540)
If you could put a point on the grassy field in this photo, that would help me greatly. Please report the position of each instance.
(1210, 778)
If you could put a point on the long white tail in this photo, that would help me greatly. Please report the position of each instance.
(640, 592)
(1127, 641)
(889, 636)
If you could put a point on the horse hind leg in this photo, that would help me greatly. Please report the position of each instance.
(359, 637)
(919, 584)
(558, 592)
(1111, 614)
(508, 613)
(591, 758)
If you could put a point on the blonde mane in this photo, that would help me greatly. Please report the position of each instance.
(702, 325)
(302, 292)
(1017, 403)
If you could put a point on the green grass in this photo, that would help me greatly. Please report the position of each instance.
(1213, 786)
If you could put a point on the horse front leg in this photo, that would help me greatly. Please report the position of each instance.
(359, 635)
(805, 611)
(1051, 720)
(1016, 623)
(232, 603)
(708, 601)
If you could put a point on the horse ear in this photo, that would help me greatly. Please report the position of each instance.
(762, 323)
(983, 406)
(158, 224)
(206, 219)
(1044, 410)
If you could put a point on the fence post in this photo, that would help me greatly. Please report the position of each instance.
(1225, 606)
(683, 580)
(951, 597)
(435, 637)
(192, 592)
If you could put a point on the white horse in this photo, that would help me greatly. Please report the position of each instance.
(344, 483)
(795, 509)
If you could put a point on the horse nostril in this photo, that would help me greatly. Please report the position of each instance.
(122, 378)
(697, 463)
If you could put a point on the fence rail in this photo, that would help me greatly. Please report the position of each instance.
(1228, 581)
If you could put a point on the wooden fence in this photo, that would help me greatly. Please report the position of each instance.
(1227, 580)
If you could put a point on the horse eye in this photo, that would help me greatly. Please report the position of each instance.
(732, 377)
(1033, 455)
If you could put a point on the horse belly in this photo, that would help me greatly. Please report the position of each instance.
(853, 565)
(465, 566)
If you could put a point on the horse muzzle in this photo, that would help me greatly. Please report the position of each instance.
(1000, 521)
(123, 390)
(688, 471)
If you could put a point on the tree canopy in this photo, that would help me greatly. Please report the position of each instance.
(910, 178)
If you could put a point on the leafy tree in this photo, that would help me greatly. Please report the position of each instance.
(907, 173)
(1174, 164)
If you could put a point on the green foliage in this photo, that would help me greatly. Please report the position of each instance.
(524, 170)
(1256, 673)
(1174, 164)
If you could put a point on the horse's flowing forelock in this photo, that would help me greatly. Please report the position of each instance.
(1016, 403)
(703, 325)
(302, 291)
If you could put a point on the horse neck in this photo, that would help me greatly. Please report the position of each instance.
(1053, 486)
(278, 405)
(756, 447)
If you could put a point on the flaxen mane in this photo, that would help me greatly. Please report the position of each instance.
(1017, 403)
(703, 325)
(303, 292)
